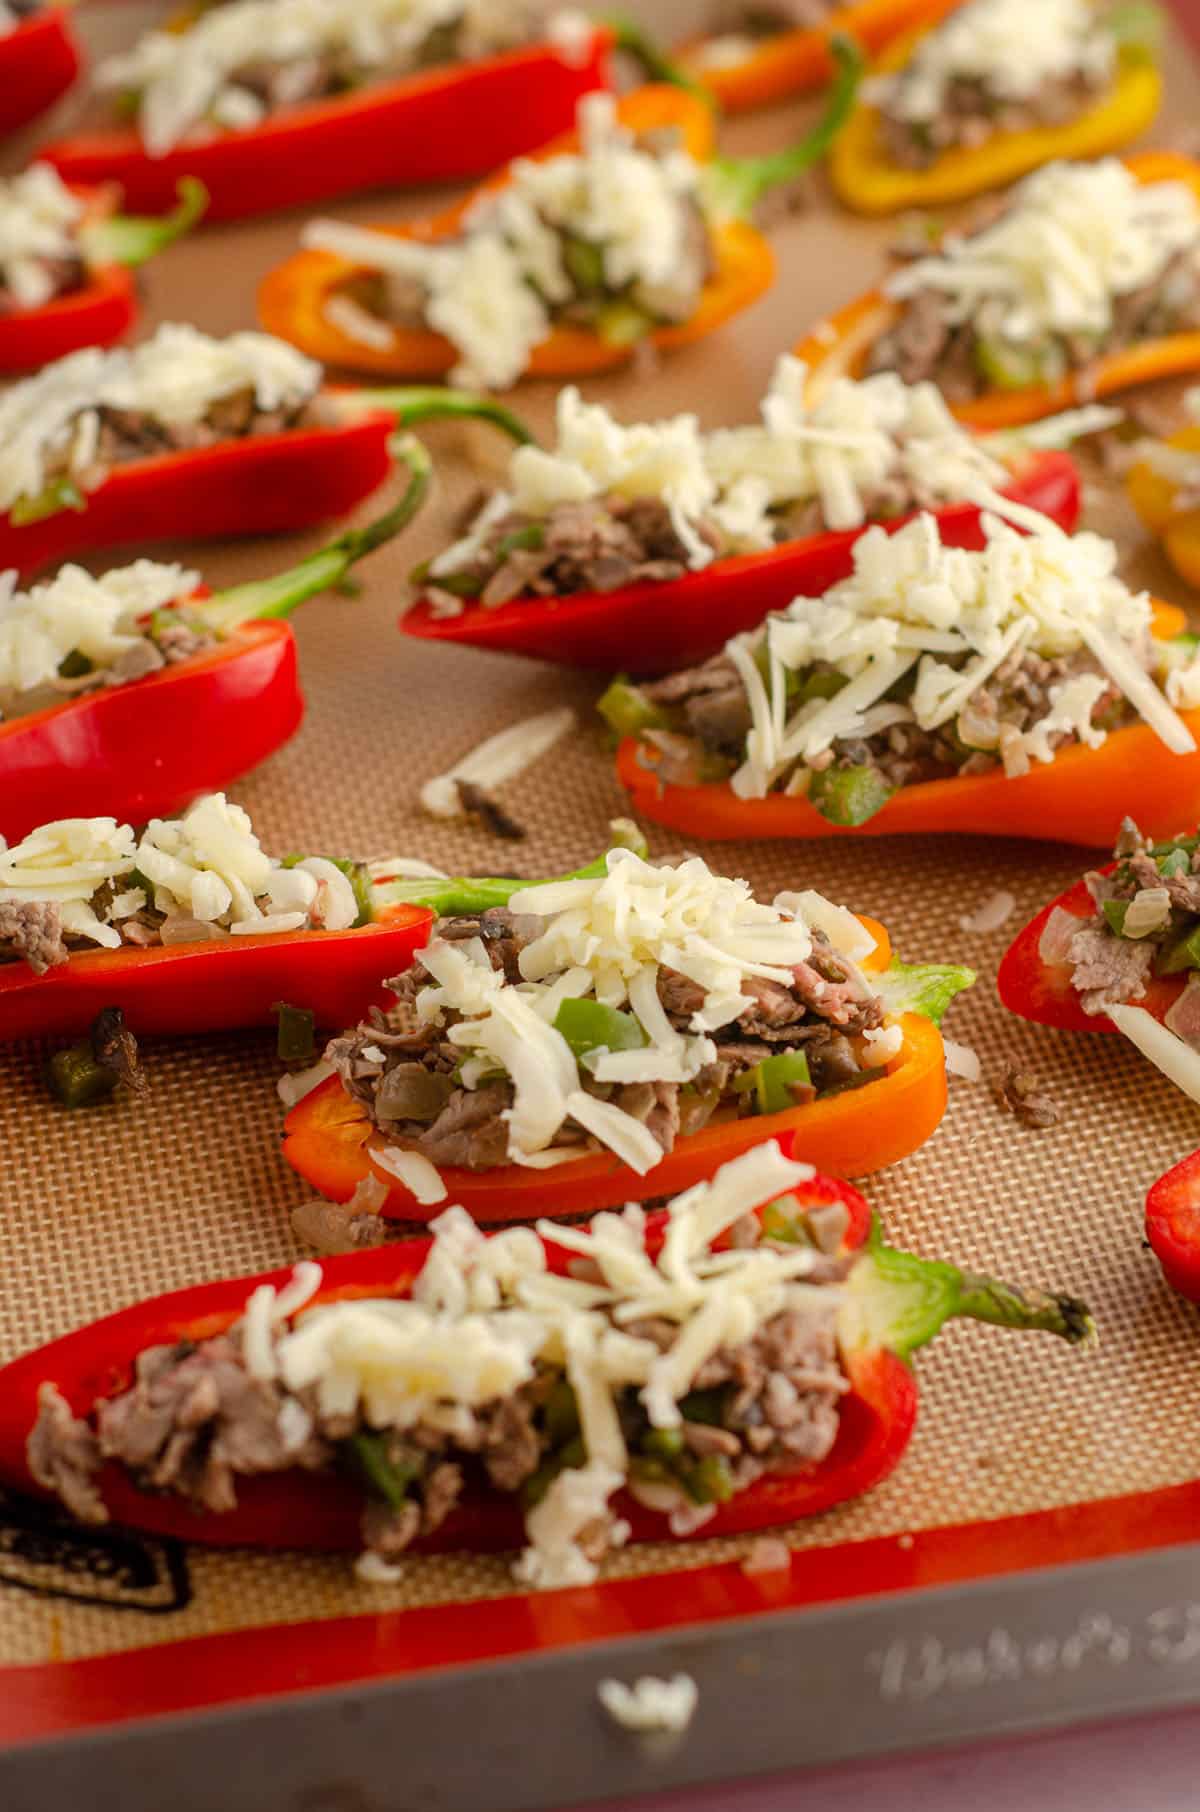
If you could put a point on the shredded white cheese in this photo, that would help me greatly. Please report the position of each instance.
(1008, 48)
(859, 438)
(206, 865)
(50, 423)
(962, 1061)
(502, 757)
(415, 1171)
(911, 602)
(492, 291)
(198, 79)
(76, 613)
(651, 1703)
(1166, 1051)
(995, 911)
(39, 222)
(1075, 239)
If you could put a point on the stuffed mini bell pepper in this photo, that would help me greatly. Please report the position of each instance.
(647, 547)
(628, 232)
(39, 60)
(133, 692)
(1164, 487)
(995, 90)
(1087, 283)
(469, 1392)
(1173, 1226)
(625, 1032)
(1120, 951)
(1013, 691)
(188, 925)
(67, 261)
(274, 103)
(185, 437)
(761, 51)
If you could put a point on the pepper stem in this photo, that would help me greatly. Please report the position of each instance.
(469, 893)
(279, 596)
(896, 1300)
(735, 185)
(412, 403)
(133, 238)
(655, 64)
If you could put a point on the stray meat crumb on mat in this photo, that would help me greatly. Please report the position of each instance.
(1022, 1096)
(478, 803)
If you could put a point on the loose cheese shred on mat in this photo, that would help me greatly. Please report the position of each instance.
(961, 1060)
(1166, 1052)
(294, 1087)
(650, 1703)
(502, 757)
(996, 910)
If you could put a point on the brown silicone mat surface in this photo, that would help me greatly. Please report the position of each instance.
(101, 1207)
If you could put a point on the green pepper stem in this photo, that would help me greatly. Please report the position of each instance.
(896, 1300)
(279, 596)
(470, 894)
(735, 185)
(412, 403)
(655, 64)
(133, 238)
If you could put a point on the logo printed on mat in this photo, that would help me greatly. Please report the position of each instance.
(41, 1552)
(918, 1670)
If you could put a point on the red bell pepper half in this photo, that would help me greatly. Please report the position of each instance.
(436, 125)
(105, 307)
(653, 627)
(1173, 1226)
(121, 751)
(261, 484)
(895, 1303)
(39, 60)
(239, 981)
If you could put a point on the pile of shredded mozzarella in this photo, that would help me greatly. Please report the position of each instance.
(1009, 48)
(484, 1311)
(190, 79)
(50, 421)
(837, 451)
(492, 291)
(606, 938)
(1076, 237)
(77, 613)
(910, 602)
(39, 219)
(206, 865)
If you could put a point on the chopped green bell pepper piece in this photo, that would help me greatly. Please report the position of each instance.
(1183, 954)
(296, 1041)
(849, 795)
(924, 988)
(77, 1079)
(628, 711)
(777, 1082)
(60, 494)
(710, 1480)
(1114, 911)
(387, 1479)
(623, 323)
(589, 1027)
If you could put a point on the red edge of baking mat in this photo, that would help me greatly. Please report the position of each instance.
(55, 1698)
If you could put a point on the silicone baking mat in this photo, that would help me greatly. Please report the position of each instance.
(139, 1196)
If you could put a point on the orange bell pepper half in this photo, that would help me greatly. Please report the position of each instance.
(865, 179)
(293, 297)
(792, 62)
(840, 345)
(329, 1139)
(1079, 797)
(1153, 496)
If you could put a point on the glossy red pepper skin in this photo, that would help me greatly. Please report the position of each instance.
(1173, 1226)
(266, 484)
(323, 1510)
(38, 63)
(654, 627)
(1042, 992)
(212, 986)
(100, 313)
(137, 751)
(441, 125)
